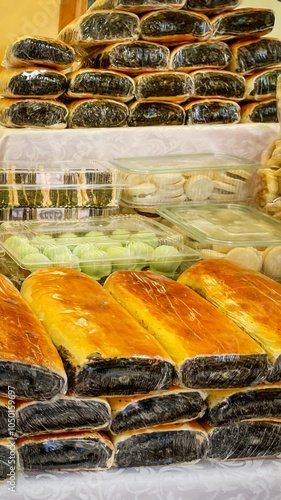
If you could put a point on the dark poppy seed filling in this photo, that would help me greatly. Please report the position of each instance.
(35, 114)
(32, 49)
(37, 83)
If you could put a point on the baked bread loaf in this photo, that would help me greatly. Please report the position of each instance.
(165, 86)
(211, 6)
(262, 85)
(28, 360)
(76, 311)
(100, 84)
(242, 23)
(68, 451)
(252, 55)
(33, 113)
(247, 297)
(136, 5)
(192, 56)
(32, 82)
(218, 84)
(89, 113)
(260, 112)
(211, 111)
(154, 113)
(208, 349)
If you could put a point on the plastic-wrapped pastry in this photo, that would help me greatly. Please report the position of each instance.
(8, 461)
(35, 113)
(236, 291)
(87, 113)
(27, 51)
(211, 111)
(246, 256)
(219, 84)
(101, 28)
(245, 440)
(139, 412)
(100, 84)
(162, 445)
(207, 349)
(262, 85)
(120, 360)
(255, 54)
(211, 6)
(216, 55)
(164, 86)
(228, 406)
(130, 57)
(32, 82)
(137, 5)
(64, 414)
(4, 430)
(243, 23)
(68, 451)
(272, 261)
(260, 112)
(146, 114)
(175, 26)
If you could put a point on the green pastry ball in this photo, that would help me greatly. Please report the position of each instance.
(119, 252)
(141, 249)
(96, 269)
(66, 260)
(104, 245)
(146, 237)
(35, 261)
(79, 249)
(120, 234)
(24, 249)
(14, 241)
(54, 252)
(45, 237)
(94, 235)
(160, 264)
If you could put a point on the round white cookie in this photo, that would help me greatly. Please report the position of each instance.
(142, 189)
(247, 257)
(272, 262)
(198, 187)
(211, 254)
(167, 179)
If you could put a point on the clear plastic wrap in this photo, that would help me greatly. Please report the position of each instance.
(8, 460)
(218, 84)
(155, 113)
(162, 445)
(262, 85)
(49, 52)
(209, 350)
(165, 86)
(100, 84)
(100, 361)
(32, 82)
(175, 27)
(4, 411)
(70, 451)
(64, 414)
(252, 55)
(34, 113)
(192, 56)
(243, 23)
(99, 113)
(259, 112)
(211, 111)
(248, 298)
(137, 5)
(210, 7)
(142, 412)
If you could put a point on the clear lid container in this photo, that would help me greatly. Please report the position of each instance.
(173, 179)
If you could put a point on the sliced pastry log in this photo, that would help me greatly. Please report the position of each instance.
(88, 113)
(64, 414)
(101, 28)
(260, 112)
(242, 23)
(262, 85)
(32, 82)
(210, 7)
(68, 451)
(192, 56)
(211, 111)
(6, 406)
(245, 440)
(162, 445)
(154, 113)
(229, 406)
(29, 363)
(236, 291)
(140, 412)
(208, 349)
(105, 351)
(35, 50)
(137, 5)
(252, 55)
(99, 83)
(8, 460)
(164, 86)
(34, 113)
(130, 57)
(174, 26)
(219, 84)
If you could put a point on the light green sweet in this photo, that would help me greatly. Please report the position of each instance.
(147, 237)
(56, 251)
(120, 234)
(68, 239)
(104, 245)
(25, 249)
(125, 253)
(14, 241)
(35, 261)
(160, 264)
(100, 267)
(79, 249)
(140, 249)
(45, 237)
(94, 235)
(66, 257)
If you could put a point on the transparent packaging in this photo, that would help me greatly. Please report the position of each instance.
(268, 197)
(260, 112)
(173, 179)
(243, 23)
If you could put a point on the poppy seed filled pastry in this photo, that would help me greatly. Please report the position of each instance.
(236, 291)
(242, 23)
(139, 412)
(32, 82)
(137, 5)
(262, 85)
(260, 112)
(218, 84)
(4, 430)
(8, 460)
(100, 360)
(26, 51)
(192, 56)
(162, 445)
(68, 451)
(211, 111)
(154, 113)
(255, 54)
(174, 26)
(208, 351)
(28, 360)
(100, 83)
(165, 86)
(210, 7)
(85, 113)
(64, 414)
(35, 113)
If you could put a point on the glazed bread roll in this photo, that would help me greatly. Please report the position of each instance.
(242, 23)
(247, 297)
(165, 86)
(100, 84)
(255, 54)
(32, 82)
(89, 113)
(136, 5)
(208, 349)
(119, 359)
(33, 113)
(259, 112)
(211, 111)
(28, 360)
(192, 56)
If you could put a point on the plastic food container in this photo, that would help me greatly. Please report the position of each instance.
(227, 231)
(96, 246)
(174, 179)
